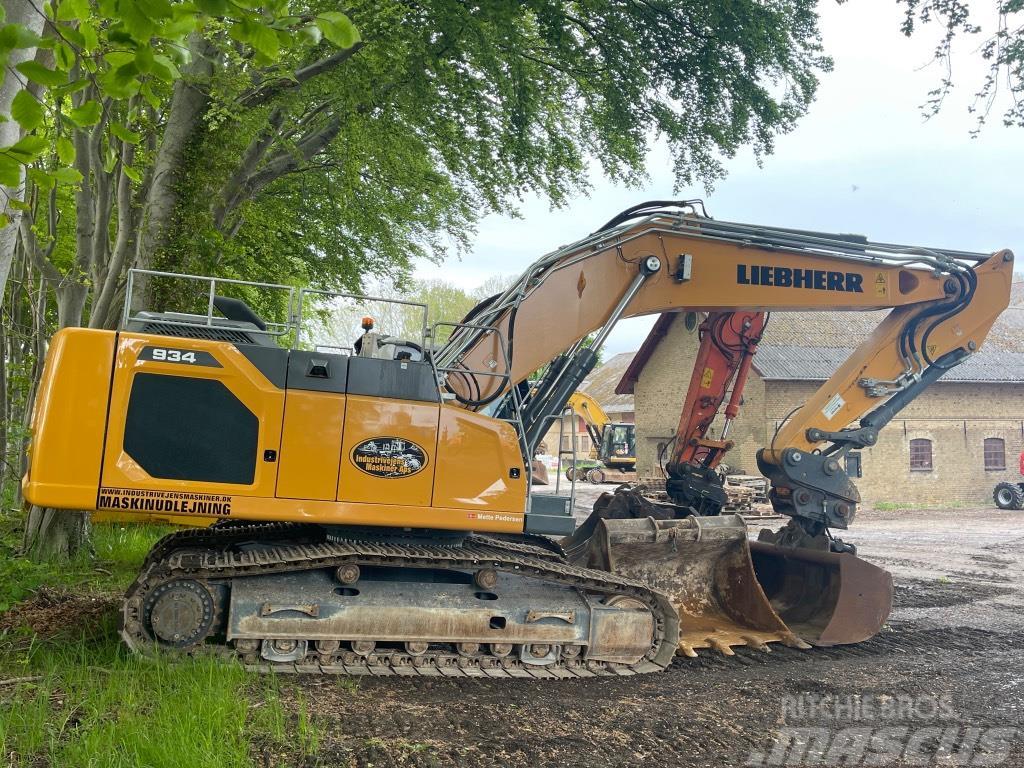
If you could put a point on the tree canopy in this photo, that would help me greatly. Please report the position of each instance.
(999, 42)
(273, 142)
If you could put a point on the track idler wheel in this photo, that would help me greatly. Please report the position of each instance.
(180, 613)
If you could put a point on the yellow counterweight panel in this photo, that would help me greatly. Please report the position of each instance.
(310, 445)
(377, 464)
(476, 459)
(235, 372)
(69, 420)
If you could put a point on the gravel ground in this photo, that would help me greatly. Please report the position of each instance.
(947, 666)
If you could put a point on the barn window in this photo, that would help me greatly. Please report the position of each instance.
(995, 453)
(920, 455)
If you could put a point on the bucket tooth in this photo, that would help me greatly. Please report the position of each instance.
(792, 641)
(756, 644)
(721, 646)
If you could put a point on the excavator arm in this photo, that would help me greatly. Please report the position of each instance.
(593, 415)
(662, 257)
(728, 342)
(801, 585)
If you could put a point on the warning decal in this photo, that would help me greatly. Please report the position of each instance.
(833, 406)
(881, 285)
(389, 457)
(706, 378)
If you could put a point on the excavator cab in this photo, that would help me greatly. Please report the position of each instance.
(618, 445)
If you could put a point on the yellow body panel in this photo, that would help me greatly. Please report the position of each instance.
(376, 419)
(306, 467)
(311, 445)
(69, 420)
(476, 459)
(311, 511)
(240, 377)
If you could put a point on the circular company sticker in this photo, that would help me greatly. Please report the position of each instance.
(389, 457)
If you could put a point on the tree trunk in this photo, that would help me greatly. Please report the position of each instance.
(188, 106)
(71, 298)
(55, 534)
(18, 12)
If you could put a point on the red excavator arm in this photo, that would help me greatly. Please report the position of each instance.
(728, 341)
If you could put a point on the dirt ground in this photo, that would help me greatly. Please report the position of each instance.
(950, 659)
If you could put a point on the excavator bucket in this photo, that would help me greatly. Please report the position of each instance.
(539, 473)
(825, 597)
(712, 574)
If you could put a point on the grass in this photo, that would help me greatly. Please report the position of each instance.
(895, 506)
(118, 550)
(87, 702)
(96, 706)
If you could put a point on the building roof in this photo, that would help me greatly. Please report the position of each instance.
(782, 362)
(809, 346)
(602, 381)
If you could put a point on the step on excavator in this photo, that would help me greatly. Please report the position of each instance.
(374, 509)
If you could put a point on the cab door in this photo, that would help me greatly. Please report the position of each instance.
(389, 449)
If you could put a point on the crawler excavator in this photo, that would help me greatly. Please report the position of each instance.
(375, 513)
(614, 444)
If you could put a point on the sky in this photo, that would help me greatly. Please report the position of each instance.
(862, 160)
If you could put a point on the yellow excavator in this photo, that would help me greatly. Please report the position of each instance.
(375, 513)
(613, 454)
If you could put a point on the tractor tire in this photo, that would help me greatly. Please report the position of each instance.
(570, 474)
(1008, 496)
(596, 476)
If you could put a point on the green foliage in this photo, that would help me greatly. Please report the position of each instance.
(121, 49)
(95, 705)
(119, 549)
(27, 110)
(449, 111)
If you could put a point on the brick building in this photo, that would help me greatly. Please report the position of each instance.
(952, 444)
